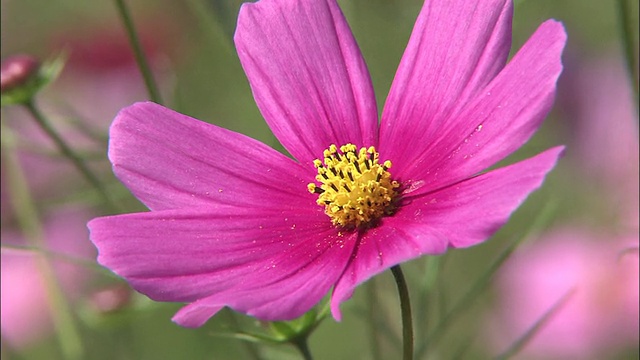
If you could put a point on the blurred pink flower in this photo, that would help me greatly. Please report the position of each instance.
(602, 267)
(102, 75)
(604, 132)
(603, 118)
(24, 308)
(601, 315)
(235, 223)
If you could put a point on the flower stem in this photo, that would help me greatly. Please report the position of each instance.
(141, 59)
(28, 219)
(211, 21)
(628, 29)
(405, 308)
(77, 161)
(301, 344)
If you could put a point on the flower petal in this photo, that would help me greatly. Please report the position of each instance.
(470, 211)
(169, 160)
(380, 248)
(461, 215)
(450, 57)
(497, 121)
(307, 75)
(195, 314)
(273, 264)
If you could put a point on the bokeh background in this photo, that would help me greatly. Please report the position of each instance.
(577, 237)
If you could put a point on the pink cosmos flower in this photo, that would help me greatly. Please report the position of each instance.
(604, 133)
(235, 223)
(602, 313)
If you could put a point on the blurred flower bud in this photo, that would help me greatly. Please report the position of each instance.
(23, 76)
(18, 70)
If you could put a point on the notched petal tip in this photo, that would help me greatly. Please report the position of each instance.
(552, 156)
(335, 308)
(560, 150)
(555, 32)
(139, 105)
(195, 315)
(555, 25)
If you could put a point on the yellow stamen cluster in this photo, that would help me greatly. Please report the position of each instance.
(356, 190)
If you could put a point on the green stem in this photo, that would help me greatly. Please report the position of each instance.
(628, 29)
(302, 346)
(28, 219)
(211, 23)
(405, 308)
(77, 161)
(141, 59)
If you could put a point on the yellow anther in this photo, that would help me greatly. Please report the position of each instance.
(355, 189)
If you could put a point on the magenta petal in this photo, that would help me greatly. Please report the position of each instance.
(456, 48)
(461, 215)
(281, 299)
(274, 264)
(380, 248)
(196, 314)
(169, 160)
(469, 212)
(307, 75)
(498, 120)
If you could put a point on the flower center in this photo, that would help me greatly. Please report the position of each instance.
(356, 190)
